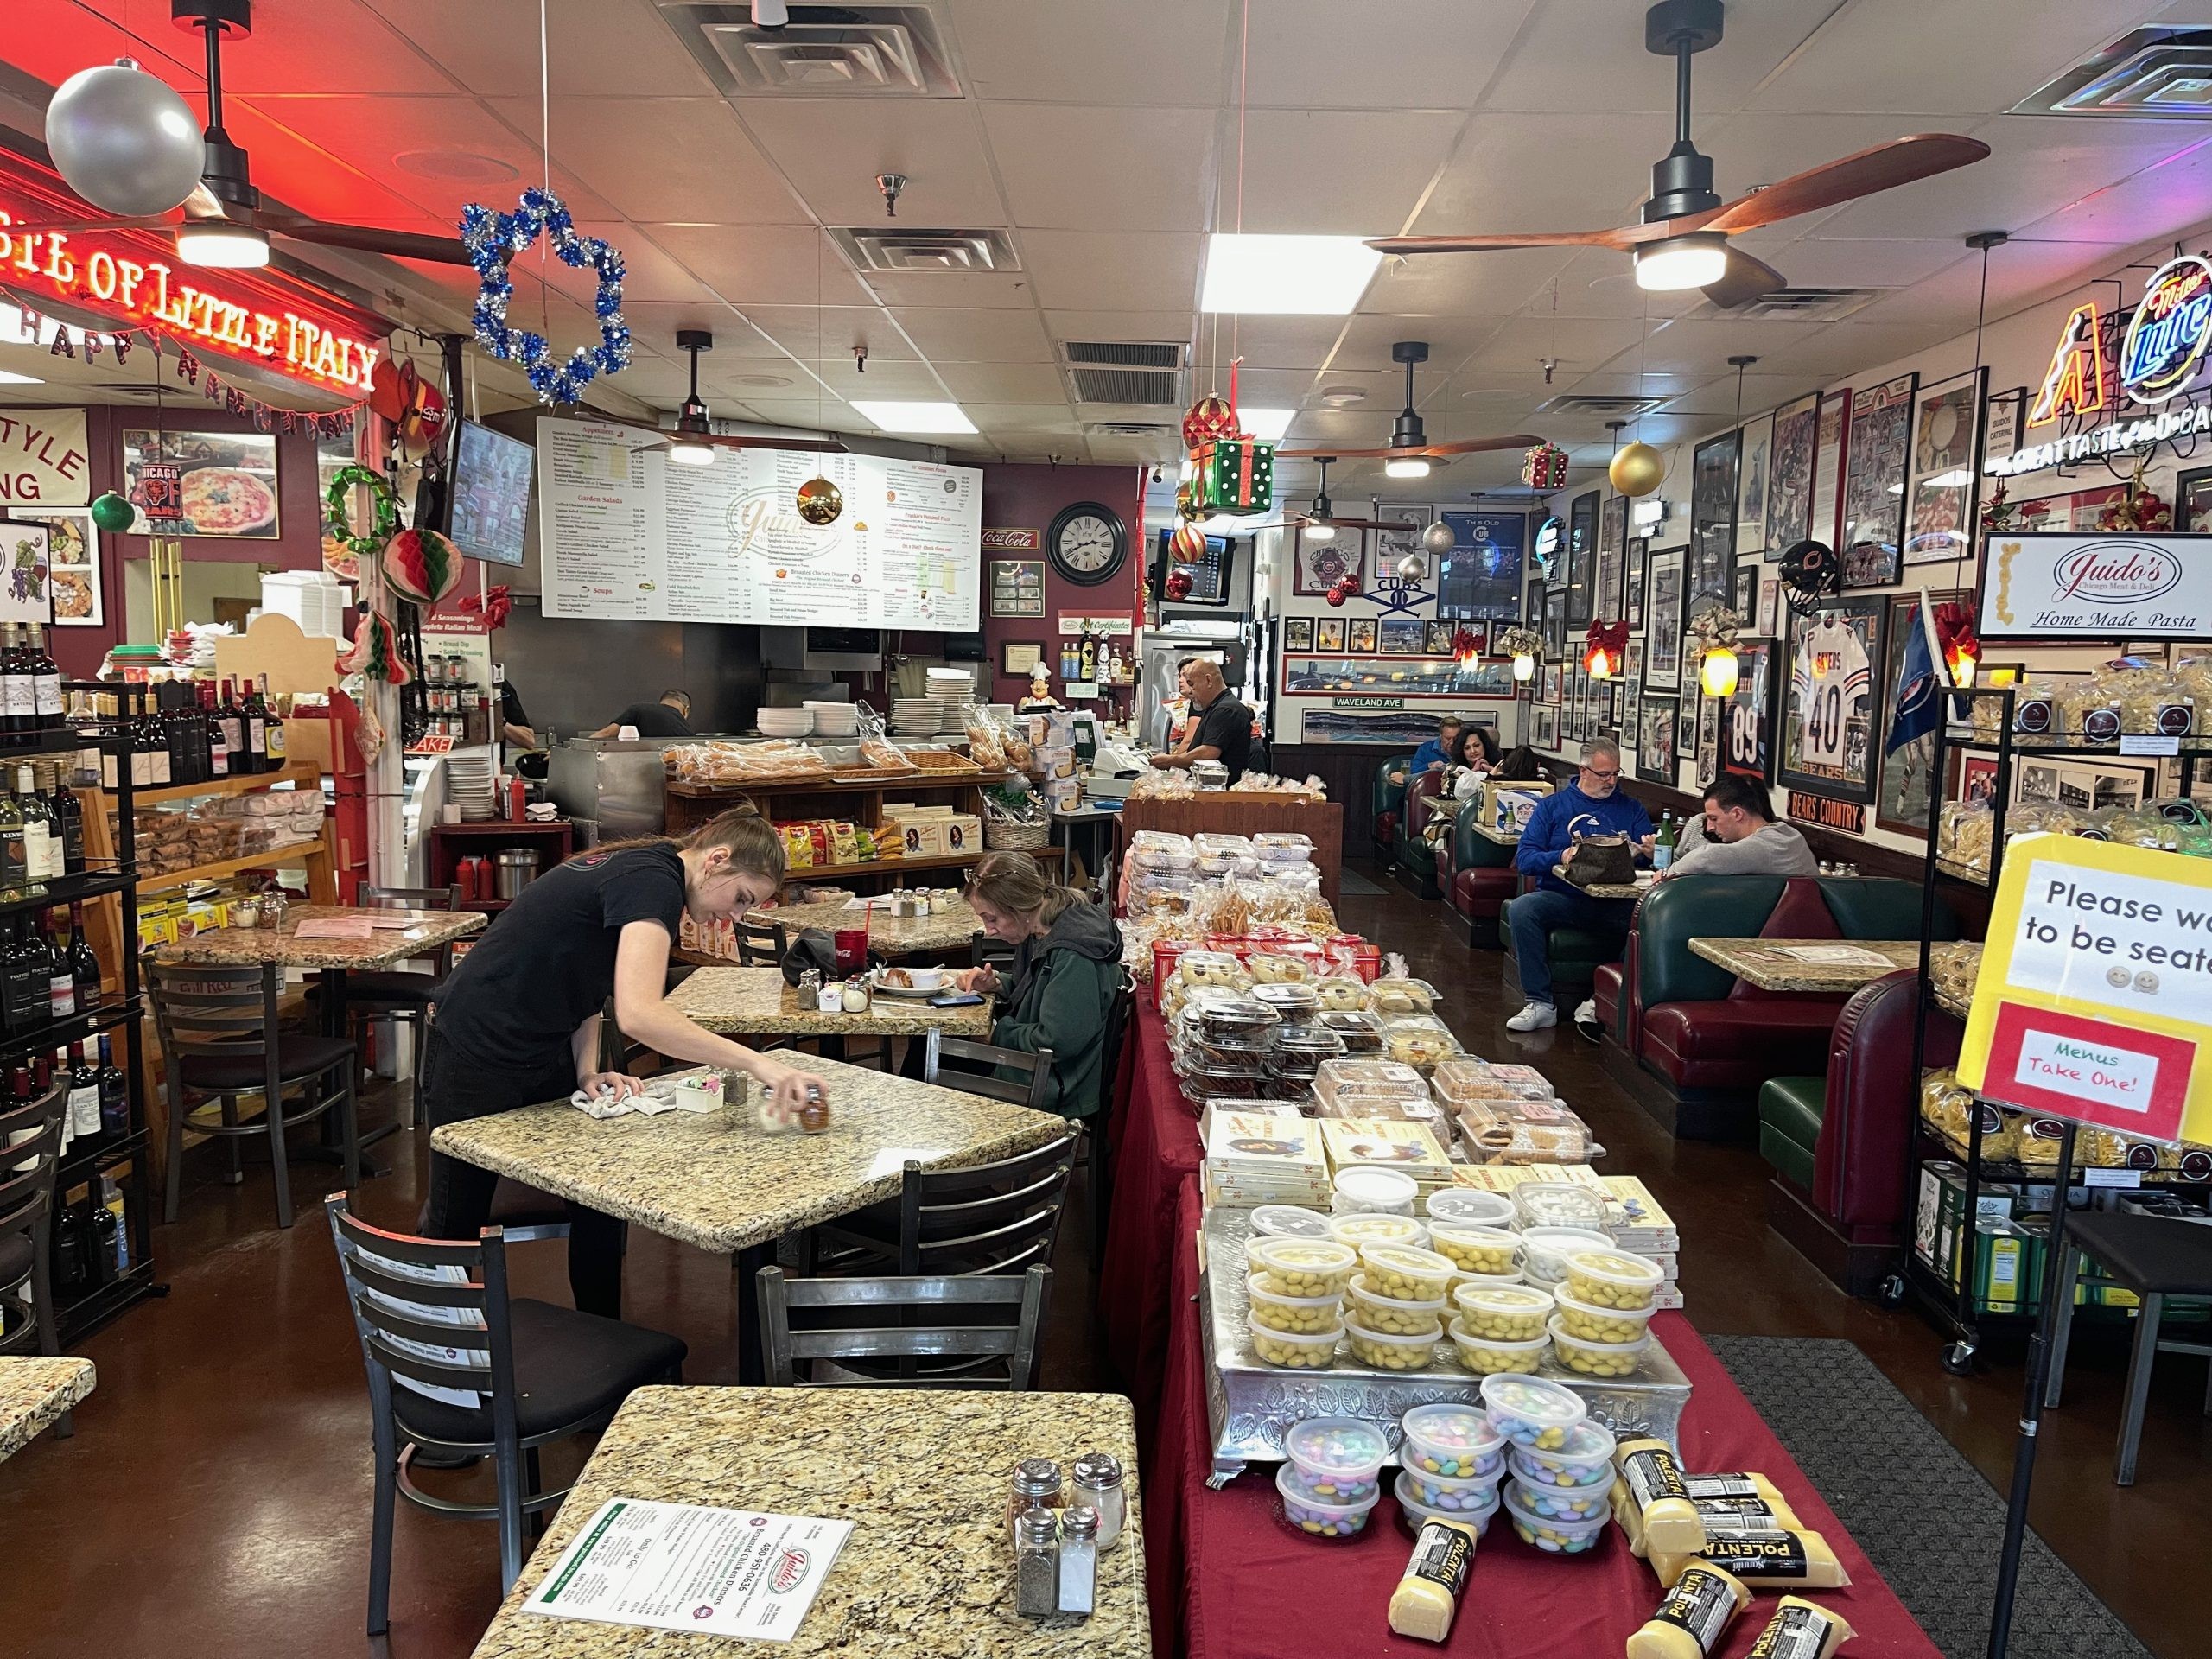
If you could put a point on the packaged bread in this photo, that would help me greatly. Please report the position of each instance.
(1800, 1630)
(1763, 1557)
(1693, 1617)
(1524, 1132)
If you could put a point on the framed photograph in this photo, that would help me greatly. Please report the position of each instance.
(1708, 740)
(1832, 708)
(1712, 517)
(1329, 633)
(1318, 566)
(1581, 556)
(1436, 637)
(2193, 499)
(1974, 778)
(1639, 553)
(1543, 728)
(1874, 482)
(218, 484)
(1655, 742)
(1752, 485)
(1768, 616)
(1298, 633)
(1686, 722)
(1402, 636)
(1361, 637)
(1940, 523)
(1631, 715)
(1617, 703)
(2077, 510)
(1747, 589)
(1554, 684)
(74, 563)
(1018, 588)
(1663, 627)
(1747, 717)
(1789, 474)
(2002, 424)
(1632, 661)
(1397, 541)
(1610, 603)
(2085, 786)
(1902, 802)
(1830, 440)
(1555, 626)
(27, 550)
(1018, 659)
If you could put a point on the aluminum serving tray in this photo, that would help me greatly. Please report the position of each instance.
(1250, 1404)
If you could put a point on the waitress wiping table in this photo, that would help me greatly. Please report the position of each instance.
(518, 1021)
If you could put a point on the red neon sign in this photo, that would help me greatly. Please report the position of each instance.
(2076, 381)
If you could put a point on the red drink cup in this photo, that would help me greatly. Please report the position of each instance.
(851, 944)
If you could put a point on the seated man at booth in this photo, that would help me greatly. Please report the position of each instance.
(1438, 751)
(1738, 836)
(1591, 805)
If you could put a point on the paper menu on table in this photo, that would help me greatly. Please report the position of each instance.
(333, 927)
(677, 1566)
(1838, 953)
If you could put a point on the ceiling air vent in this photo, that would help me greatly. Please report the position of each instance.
(1802, 304)
(1126, 353)
(824, 52)
(2161, 72)
(1128, 429)
(1605, 406)
(1126, 371)
(897, 248)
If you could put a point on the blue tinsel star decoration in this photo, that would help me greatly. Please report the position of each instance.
(492, 240)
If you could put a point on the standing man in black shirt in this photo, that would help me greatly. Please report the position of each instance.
(669, 717)
(1221, 727)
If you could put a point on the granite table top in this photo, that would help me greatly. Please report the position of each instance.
(34, 1392)
(425, 931)
(1775, 965)
(1954, 966)
(1610, 889)
(1502, 837)
(716, 1180)
(953, 929)
(921, 1474)
(756, 1001)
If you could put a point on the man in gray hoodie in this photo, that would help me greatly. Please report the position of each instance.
(1738, 836)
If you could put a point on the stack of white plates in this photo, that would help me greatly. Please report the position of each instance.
(916, 716)
(835, 719)
(787, 722)
(473, 785)
(952, 681)
(952, 715)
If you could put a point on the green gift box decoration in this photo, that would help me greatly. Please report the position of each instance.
(1234, 475)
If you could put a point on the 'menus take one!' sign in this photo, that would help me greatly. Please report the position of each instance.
(2100, 587)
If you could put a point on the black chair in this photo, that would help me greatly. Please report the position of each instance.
(403, 995)
(760, 945)
(986, 1061)
(999, 1217)
(543, 1374)
(2155, 1256)
(1099, 1122)
(31, 1133)
(220, 1043)
(966, 1348)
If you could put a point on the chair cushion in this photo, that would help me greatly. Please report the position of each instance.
(1606, 987)
(569, 1367)
(1733, 1044)
(1794, 1107)
(1882, 907)
(392, 986)
(298, 1058)
(1481, 891)
(1801, 912)
(2152, 1253)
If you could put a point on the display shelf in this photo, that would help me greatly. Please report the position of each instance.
(69, 889)
(2198, 744)
(79, 1319)
(291, 852)
(2011, 1171)
(302, 776)
(488, 907)
(74, 1028)
(504, 827)
(829, 874)
(100, 1159)
(828, 785)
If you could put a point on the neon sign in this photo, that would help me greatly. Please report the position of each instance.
(2074, 384)
(2166, 339)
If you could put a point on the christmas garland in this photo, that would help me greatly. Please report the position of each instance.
(339, 522)
(493, 239)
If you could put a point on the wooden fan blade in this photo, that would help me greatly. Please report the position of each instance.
(1476, 446)
(1829, 185)
(1746, 279)
(396, 244)
(1624, 237)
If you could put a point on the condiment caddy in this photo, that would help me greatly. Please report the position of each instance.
(1057, 1531)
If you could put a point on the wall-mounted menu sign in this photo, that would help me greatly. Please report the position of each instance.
(626, 535)
(2100, 587)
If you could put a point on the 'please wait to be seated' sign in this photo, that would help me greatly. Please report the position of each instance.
(2095, 999)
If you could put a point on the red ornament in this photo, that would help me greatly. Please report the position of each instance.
(1337, 596)
(1178, 585)
(1188, 544)
(1209, 418)
(1348, 582)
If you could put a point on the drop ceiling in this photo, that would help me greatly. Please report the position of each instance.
(1091, 145)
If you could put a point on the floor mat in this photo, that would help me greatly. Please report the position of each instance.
(1353, 885)
(1924, 1515)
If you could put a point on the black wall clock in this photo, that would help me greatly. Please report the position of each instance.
(1088, 543)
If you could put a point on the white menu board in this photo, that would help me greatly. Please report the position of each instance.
(624, 533)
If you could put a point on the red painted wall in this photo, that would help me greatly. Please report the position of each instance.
(1029, 498)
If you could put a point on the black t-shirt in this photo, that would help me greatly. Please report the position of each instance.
(511, 712)
(1226, 725)
(547, 962)
(653, 720)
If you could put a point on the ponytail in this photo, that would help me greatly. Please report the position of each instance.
(752, 842)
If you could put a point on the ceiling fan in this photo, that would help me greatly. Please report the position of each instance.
(225, 223)
(1409, 451)
(1681, 241)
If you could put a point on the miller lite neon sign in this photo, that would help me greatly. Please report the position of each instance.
(2166, 339)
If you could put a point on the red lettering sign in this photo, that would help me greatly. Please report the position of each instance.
(2089, 1071)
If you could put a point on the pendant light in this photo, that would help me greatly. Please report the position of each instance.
(1408, 434)
(1318, 526)
(694, 444)
(820, 502)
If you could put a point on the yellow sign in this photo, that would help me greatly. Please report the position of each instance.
(2095, 988)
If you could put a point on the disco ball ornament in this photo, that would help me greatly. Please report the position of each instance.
(124, 140)
(110, 511)
(1178, 585)
(820, 502)
(1188, 544)
(1438, 539)
(1337, 597)
(1638, 470)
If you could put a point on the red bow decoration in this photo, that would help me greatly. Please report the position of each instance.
(1608, 642)
(1955, 636)
(495, 605)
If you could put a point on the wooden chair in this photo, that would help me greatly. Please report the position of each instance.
(543, 1373)
(30, 1170)
(221, 1043)
(403, 995)
(963, 1348)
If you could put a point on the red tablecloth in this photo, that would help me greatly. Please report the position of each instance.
(1228, 1579)
(1155, 1146)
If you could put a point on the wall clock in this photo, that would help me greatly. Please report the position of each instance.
(1088, 543)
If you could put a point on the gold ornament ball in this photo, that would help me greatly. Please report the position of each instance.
(1638, 470)
(820, 502)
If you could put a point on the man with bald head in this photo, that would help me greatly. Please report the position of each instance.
(1220, 727)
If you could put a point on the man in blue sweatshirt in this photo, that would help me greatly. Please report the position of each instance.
(1591, 805)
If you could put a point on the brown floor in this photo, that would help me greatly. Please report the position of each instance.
(215, 1498)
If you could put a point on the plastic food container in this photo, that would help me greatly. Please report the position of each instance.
(1342, 1085)
(1322, 1519)
(1504, 1313)
(1230, 1016)
(1554, 1537)
(1360, 1033)
(1392, 997)
(1340, 1459)
(1412, 1514)
(1288, 1221)
(1488, 1356)
(1380, 1351)
(1466, 1207)
(1215, 970)
(1594, 1324)
(1558, 1203)
(1277, 970)
(1301, 1267)
(1419, 1040)
(1394, 1317)
(1528, 1411)
(1163, 855)
(1457, 1441)
(1525, 1132)
(1585, 1459)
(1290, 999)
(1612, 1277)
(1575, 1503)
(1340, 993)
(1282, 847)
(1405, 1272)
(1376, 1192)
(1586, 1358)
(1300, 1051)
(1312, 1351)
(1549, 1247)
(1450, 1497)
(1490, 1250)
(1482, 1080)
(1371, 1227)
(1301, 1315)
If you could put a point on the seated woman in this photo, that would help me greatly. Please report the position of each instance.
(1067, 964)
(1478, 755)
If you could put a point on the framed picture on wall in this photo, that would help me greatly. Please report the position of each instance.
(1397, 541)
(1402, 636)
(1874, 482)
(1556, 626)
(1939, 523)
(1789, 474)
(2193, 499)
(1708, 740)
(1360, 638)
(1612, 561)
(1018, 659)
(1747, 723)
(1581, 556)
(1770, 604)
(1617, 702)
(1017, 586)
(1901, 802)
(1747, 587)
(219, 484)
(1712, 517)
(73, 567)
(2076, 509)
(1663, 626)
(1318, 566)
(1831, 439)
(1831, 704)
(2001, 425)
(1555, 682)
(1543, 728)
(1686, 722)
(1751, 485)
(1329, 633)
(1654, 740)
(1632, 661)
(27, 547)
(1639, 552)
(1436, 637)
(1631, 711)
(1298, 633)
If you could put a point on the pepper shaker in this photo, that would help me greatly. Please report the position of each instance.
(1036, 1486)
(1036, 1564)
(1078, 1592)
(1097, 1483)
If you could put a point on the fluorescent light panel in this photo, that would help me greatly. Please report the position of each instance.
(1286, 275)
(1266, 424)
(917, 417)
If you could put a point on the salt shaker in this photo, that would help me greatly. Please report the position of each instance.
(1079, 1543)
(1036, 1564)
(1098, 1484)
(1036, 1486)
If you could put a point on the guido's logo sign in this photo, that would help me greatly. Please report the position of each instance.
(2116, 573)
(2166, 339)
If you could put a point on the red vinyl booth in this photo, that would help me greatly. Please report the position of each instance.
(1415, 863)
(1476, 875)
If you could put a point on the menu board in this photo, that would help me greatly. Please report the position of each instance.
(626, 534)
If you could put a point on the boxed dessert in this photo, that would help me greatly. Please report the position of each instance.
(1258, 1157)
(1386, 1143)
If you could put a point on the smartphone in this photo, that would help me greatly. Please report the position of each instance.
(954, 1000)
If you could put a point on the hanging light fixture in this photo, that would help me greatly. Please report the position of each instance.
(1604, 648)
(1408, 433)
(1719, 671)
(694, 444)
(1714, 628)
(1318, 526)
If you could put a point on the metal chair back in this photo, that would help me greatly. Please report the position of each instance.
(418, 899)
(989, 1218)
(785, 1347)
(30, 1166)
(227, 1014)
(760, 945)
(1028, 1090)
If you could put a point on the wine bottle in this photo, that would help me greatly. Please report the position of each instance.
(255, 718)
(274, 740)
(234, 726)
(220, 757)
(19, 699)
(115, 1093)
(42, 852)
(15, 872)
(83, 1096)
(84, 963)
(47, 712)
(187, 765)
(60, 977)
(70, 812)
(68, 1253)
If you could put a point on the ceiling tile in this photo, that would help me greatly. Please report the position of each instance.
(1549, 171)
(995, 418)
(832, 148)
(946, 290)
(1333, 172)
(2165, 198)
(1095, 269)
(1073, 167)
(1817, 262)
(762, 264)
(1451, 340)
(1272, 343)
(1003, 382)
(1121, 325)
(603, 46)
(326, 46)
(655, 322)
(1523, 343)
(1412, 53)
(1574, 44)
(1140, 52)
(912, 381)
(1466, 284)
(663, 158)
(977, 336)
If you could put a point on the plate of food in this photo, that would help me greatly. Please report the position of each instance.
(915, 981)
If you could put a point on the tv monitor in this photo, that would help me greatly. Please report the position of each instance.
(491, 494)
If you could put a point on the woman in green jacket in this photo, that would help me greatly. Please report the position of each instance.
(1067, 966)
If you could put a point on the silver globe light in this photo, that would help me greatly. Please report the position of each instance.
(124, 140)
(1411, 567)
(1438, 538)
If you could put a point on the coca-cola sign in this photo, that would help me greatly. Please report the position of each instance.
(2109, 589)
